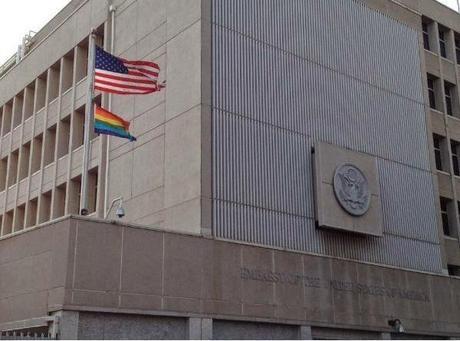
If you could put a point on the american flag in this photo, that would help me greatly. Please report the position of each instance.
(126, 77)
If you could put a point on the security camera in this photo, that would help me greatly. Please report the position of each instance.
(120, 212)
(397, 325)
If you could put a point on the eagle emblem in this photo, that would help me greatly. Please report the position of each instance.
(351, 189)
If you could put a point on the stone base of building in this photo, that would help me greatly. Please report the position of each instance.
(84, 278)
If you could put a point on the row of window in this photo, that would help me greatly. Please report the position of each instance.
(45, 89)
(52, 142)
(443, 96)
(441, 153)
(50, 145)
(430, 36)
(65, 199)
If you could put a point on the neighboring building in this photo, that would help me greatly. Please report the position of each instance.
(298, 177)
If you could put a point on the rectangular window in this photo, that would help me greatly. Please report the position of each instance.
(59, 201)
(457, 47)
(8, 223)
(74, 195)
(31, 217)
(24, 161)
(454, 147)
(19, 218)
(431, 93)
(7, 116)
(37, 145)
(50, 145)
(426, 36)
(448, 95)
(45, 207)
(437, 151)
(3, 172)
(445, 216)
(453, 270)
(13, 168)
(442, 43)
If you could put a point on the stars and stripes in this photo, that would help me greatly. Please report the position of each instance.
(125, 77)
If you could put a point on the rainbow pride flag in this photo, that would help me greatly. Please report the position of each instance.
(110, 124)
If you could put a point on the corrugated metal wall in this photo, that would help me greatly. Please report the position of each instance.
(287, 73)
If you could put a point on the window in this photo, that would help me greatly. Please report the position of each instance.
(431, 92)
(442, 43)
(426, 36)
(45, 207)
(3, 172)
(453, 270)
(445, 216)
(37, 144)
(19, 217)
(13, 168)
(448, 95)
(457, 47)
(50, 145)
(59, 201)
(438, 155)
(31, 217)
(24, 161)
(8, 223)
(74, 195)
(454, 147)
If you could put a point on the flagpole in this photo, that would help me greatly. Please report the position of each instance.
(88, 123)
(112, 10)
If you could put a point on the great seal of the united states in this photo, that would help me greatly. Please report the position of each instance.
(351, 189)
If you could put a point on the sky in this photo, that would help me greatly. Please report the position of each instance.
(451, 3)
(18, 17)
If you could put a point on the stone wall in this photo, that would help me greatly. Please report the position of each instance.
(91, 265)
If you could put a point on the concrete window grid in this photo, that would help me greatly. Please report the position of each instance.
(439, 39)
(41, 138)
(442, 63)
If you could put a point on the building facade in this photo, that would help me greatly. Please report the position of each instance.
(297, 178)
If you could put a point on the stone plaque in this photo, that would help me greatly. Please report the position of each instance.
(347, 190)
(351, 189)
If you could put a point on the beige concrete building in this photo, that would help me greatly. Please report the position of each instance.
(298, 177)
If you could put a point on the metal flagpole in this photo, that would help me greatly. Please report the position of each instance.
(112, 10)
(88, 123)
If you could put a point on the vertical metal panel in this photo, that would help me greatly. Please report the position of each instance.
(407, 199)
(287, 73)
